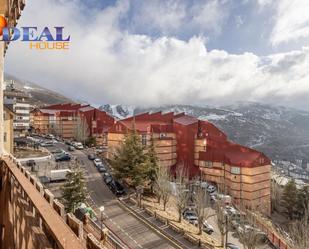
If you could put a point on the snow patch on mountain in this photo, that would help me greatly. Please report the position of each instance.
(212, 117)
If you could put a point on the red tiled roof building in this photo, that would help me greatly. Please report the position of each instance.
(62, 120)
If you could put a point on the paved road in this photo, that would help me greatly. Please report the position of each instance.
(128, 228)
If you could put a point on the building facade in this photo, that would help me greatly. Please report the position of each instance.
(19, 101)
(205, 152)
(8, 136)
(66, 120)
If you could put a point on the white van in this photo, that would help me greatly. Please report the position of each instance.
(59, 175)
(78, 146)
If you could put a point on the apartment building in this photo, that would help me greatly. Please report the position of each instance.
(65, 120)
(205, 152)
(19, 102)
(8, 118)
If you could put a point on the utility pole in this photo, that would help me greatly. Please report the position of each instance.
(226, 230)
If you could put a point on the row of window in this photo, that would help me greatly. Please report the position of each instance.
(209, 164)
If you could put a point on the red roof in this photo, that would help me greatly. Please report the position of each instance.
(233, 154)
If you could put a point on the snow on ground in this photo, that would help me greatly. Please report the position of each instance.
(212, 117)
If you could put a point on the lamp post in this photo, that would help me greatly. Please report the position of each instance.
(101, 213)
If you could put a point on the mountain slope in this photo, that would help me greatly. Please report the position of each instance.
(40, 96)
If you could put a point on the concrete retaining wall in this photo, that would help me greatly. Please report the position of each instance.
(59, 207)
(49, 196)
(93, 243)
(76, 225)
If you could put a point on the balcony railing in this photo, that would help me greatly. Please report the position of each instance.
(29, 210)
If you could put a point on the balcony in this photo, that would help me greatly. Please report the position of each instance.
(30, 217)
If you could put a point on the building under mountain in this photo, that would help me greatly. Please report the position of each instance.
(71, 121)
(205, 151)
(20, 104)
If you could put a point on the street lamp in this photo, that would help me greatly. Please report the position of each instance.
(101, 213)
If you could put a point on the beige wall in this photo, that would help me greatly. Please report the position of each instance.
(250, 188)
(165, 148)
(62, 126)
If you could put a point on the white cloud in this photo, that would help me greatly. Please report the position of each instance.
(169, 17)
(108, 65)
(210, 15)
(263, 3)
(291, 22)
(166, 16)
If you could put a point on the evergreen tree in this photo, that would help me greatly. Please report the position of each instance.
(151, 163)
(74, 191)
(128, 160)
(302, 201)
(290, 199)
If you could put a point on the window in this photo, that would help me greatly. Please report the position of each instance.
(144, 139)
(162, 135)
(4, 137)
(208, 164)
(235, 170)
(261, 160)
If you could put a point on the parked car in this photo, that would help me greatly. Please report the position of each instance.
(108, 180)
(211, 188)
(101, 169)
(47, 144)
(192, 219)
(91, 157)
(188, 212)
(207, 228)
(71, 148)
(58, 151)
(213, 198)
(117, 188)
(78, 146)
(231, 246)
(204, 184)
(50, 136)
(63, 157)
(68, 142)
(230, 210)
(97, 162)
(106, 174)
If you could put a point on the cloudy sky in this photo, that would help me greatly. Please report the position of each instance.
(154, 52)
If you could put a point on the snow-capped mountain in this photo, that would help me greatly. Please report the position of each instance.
(118, 111)
(280, 132)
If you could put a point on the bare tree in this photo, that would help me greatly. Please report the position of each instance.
(299, 231)
(81, 130)
(182, 194)
(249, 235)
(163, 185)
(221, 221)
(201, 200)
